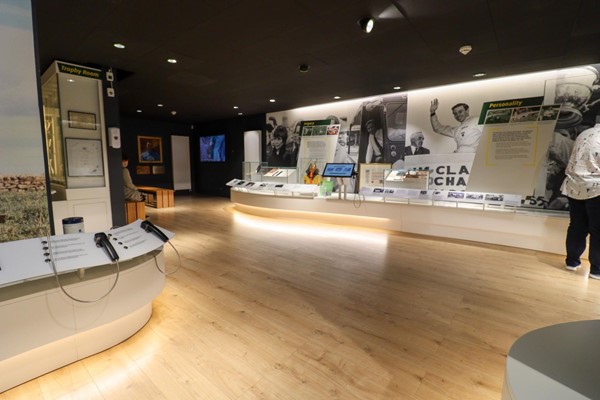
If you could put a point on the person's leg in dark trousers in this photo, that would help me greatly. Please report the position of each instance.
(593, 212)
(577, 232)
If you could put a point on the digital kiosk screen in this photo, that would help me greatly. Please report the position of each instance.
(338, 170)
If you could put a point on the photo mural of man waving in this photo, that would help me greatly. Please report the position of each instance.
(467, 134)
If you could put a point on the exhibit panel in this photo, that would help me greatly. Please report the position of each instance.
(510, 135)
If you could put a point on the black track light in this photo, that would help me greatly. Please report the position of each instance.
(367, 24)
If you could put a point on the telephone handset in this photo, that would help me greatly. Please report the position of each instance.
(150, 227)
(102, 241)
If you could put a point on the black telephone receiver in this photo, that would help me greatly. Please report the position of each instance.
(150, 227)
(102, 241)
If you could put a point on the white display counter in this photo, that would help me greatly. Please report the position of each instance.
(509, 227)
(43, 328)
(554, 363)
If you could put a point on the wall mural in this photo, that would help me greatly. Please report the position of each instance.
(23, 195)
(509, 135)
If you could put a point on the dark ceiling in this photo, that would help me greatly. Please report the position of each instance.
(243, 53)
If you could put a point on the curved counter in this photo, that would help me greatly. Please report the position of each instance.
(44, 330)
(554, 363)
(534, 231)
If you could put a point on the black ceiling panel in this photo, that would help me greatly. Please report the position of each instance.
(241, 52)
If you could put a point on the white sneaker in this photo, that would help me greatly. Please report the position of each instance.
(572, 268)
(594, 276)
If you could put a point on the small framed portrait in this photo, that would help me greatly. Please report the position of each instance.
(82, 120)
(150, 149)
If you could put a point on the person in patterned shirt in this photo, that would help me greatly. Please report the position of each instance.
(582, 188)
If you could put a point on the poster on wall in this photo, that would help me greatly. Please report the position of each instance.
(23, 193)
(517, 133)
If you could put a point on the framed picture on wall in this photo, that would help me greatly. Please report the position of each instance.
(142, 170)
(150, 149)
(82, 120)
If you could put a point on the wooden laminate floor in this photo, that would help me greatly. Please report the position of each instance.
(274, 309)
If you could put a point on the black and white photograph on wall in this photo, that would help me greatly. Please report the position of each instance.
(344, 155)
(549, 113)
(395, 110)
(576, 91)
(277, 152)
(370, 119)
(501, 116)
(525, 114)
(464, 130)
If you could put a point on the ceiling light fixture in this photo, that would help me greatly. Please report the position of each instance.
(272, 100)
(337, 97)
(235, 107)
(138, 111)
(119, 45)
(173, 112)
(479, 74)
(159, 105)
(366, 24)
(172, 60)
(240, 113)
(397, 87)
(464, 50)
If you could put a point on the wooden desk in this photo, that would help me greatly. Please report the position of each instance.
(158, 197)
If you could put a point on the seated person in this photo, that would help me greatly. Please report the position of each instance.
(131, 191)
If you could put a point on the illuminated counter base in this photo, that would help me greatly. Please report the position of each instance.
(43, 330)
(534, 231)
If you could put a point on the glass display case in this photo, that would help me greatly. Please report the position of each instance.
(73, 123)
(256, 171)
(406, 179)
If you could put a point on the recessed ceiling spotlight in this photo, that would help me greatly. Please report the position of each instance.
(119, 45)
(479, 74)
(71, 80)
(138, 111)
(337, 97)
(172, 60)
(397, 87)
(366, 24)
(240, 113)
(173, 112)
(303, 67)
(272, 100)
(159, 105)
(235, 107)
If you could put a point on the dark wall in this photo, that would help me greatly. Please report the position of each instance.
(210, 178)
(131, 128)
(115, 177)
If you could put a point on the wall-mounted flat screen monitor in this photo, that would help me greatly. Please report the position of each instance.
(338, 170)
(212, 148)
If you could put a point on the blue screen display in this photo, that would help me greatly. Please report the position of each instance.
(212, 148)
(338, 170)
